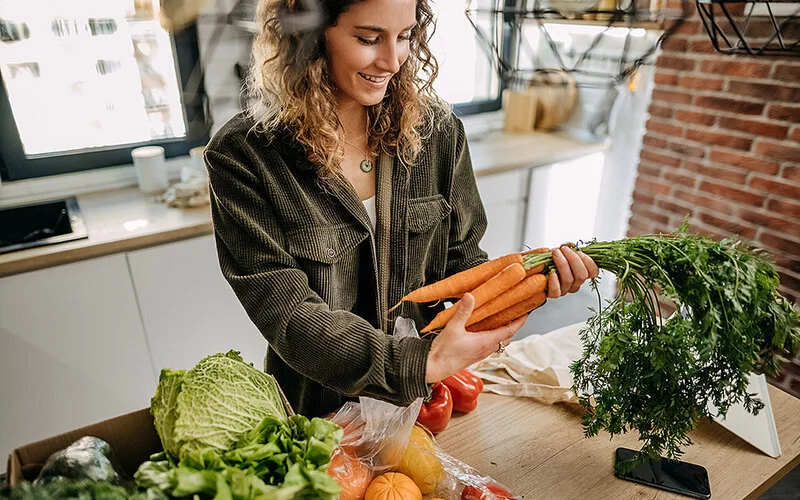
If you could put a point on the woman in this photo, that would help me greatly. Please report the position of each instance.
(347, 185)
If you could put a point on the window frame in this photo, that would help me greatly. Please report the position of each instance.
(495, 104)
(14, 165)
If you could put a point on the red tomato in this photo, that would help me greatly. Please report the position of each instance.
(350, 473)
(475, 493)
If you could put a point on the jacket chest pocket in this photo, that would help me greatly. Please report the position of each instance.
(428, 226)
(330, 257)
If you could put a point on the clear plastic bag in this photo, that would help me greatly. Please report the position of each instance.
(380, 437)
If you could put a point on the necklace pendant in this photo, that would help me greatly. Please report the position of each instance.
(366, 166)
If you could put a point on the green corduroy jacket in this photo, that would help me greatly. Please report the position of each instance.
(302, 258)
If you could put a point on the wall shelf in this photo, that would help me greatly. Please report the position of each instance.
(755, 28)
(515, 67)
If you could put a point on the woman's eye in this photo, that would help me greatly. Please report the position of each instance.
(367, 41)
(407, 36)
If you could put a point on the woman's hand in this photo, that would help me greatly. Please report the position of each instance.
(454, 348)
(573, 269)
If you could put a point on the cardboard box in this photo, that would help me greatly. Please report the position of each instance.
(133, 438)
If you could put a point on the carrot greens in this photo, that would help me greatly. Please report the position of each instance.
(658, 376)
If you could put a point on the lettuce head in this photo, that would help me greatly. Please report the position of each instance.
(213, 404)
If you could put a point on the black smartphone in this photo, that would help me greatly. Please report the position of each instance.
(670, 475)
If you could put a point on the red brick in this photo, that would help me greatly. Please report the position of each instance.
(791, 173)
(695, 117)
(778, 243)
(788, 262)
(714, 203)
(689, 28)
(796, 135)
(671, 96)
(728, 225)
(778, 150)
(743, 160)
(787, 112)
(789, 281)
(647, 212)
(674, 44)
(676, 208)
(756, 127)
(720, 139)
(790, 190)
(658, 126)
(732, 193)
(649, 169)
(783, 207)
(730, 105)
(661, 111)
(654, 142)
(651, 185)
(678, 178)
(766, 220)
(764, 91)
(703, 45)
(677, 62)
(638, 226)
(734, 176)
(663, 78)
(736, 67)
(787, 72)
(661, 159)
(646, 198)
(687, 150)
(693, 82)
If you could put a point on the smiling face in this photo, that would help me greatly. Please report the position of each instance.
(367, 46)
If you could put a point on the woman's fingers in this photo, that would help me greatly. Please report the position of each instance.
(579, 271)
(553, 286)
(563, 266)
(465, 307)
(590, 264)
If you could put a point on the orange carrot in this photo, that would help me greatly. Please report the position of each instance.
(535, 250)
(535, 270)
(494, 286)
(460, 283)
(526, 288)
(509, 314)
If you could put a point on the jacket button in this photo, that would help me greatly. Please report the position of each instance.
(331, 252)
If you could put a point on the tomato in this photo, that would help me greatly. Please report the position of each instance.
(352, 475)
(478, 493)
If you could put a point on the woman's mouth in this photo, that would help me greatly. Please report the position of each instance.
(378, 80)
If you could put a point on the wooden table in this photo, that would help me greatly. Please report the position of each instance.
(539, 451)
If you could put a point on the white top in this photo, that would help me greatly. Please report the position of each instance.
(369, 204)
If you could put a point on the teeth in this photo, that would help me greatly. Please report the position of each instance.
(372, 78)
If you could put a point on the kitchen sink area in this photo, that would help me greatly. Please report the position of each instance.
(40, 224)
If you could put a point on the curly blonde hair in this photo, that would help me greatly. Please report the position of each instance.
(290, 86)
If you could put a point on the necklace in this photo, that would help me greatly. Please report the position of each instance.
(366, 165)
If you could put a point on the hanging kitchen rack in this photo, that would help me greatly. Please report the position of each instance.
(756, 28)
(516, 62)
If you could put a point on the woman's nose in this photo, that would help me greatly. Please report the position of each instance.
(389, 59)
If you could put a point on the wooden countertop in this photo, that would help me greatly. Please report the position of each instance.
(123, 219)
(539, 451)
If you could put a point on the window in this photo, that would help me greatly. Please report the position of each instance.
(467, 78)
(84, 83)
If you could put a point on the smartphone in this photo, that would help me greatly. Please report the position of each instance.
(670, 475)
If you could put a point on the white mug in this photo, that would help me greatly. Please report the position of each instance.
(197, 162)
(151, 170)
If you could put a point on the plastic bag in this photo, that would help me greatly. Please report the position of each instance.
(380, 437)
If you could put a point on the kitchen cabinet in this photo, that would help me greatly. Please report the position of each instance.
(72, 349)
(504, 198)
(188, 309)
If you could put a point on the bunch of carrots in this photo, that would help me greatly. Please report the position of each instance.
(504, 289)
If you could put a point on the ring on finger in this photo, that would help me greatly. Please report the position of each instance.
(500, 348)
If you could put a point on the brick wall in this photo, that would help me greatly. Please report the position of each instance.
(723, 144)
